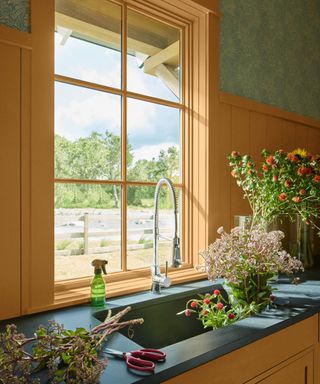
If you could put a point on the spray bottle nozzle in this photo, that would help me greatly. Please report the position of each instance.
(100, 264)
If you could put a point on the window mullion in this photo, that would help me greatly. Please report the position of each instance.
(124, 138)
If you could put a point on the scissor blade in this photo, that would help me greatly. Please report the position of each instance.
(113, 352)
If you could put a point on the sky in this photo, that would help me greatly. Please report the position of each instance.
(79, 111)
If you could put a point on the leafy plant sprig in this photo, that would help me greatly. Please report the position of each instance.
(213, 310)
(70, 356)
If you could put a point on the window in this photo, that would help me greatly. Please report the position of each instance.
(119, 127)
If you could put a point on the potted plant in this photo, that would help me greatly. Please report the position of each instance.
(247, 259)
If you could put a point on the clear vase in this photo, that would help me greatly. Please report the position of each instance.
(301, 244)
(253, 290)
(244, 222)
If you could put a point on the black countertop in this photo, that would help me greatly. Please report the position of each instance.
(296, 303)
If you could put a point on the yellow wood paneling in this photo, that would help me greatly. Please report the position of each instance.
(40, 272)
(240, 141)
(302, 132)
(242, 365)
(10, 180)
(274, 133)
(221, 171)
(313, 140)
(288, 135)
(258, 135)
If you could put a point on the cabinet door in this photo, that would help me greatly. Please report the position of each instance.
(10, 181)
(298, 372)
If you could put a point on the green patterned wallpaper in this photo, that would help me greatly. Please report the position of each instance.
(15, 14)
(270, 52)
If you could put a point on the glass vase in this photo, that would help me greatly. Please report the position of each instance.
(301, 244)
(253, 290)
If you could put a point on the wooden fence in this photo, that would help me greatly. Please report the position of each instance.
(86, 234)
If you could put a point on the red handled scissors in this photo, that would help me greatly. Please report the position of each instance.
(139, 359)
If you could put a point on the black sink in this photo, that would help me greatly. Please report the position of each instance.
(162, 327)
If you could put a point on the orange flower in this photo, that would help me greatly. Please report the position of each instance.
(296, 199)
(250, 172)
(302, 192)
(270, 160)
(265, 168)
(304, 171)
(275, 178)
(234, 154)
(282, 196)
(291, 157)
(287, 183)
(316, 179)
(234, 173)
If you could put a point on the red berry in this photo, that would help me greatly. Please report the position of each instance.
(219, 306)
(187, 312)
(302, 192)
(206, 301)
(275, 178)
(231, 316)
(296, 199)
(308, 222)
(272, 298)
(193, 304)
(216, 292)
(265, 168)
(250, 172)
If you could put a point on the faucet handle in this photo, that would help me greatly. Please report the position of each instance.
(162, 280)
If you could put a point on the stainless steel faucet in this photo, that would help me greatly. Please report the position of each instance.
(159, 280)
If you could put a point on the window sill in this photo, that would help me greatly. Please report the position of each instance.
(81, 295)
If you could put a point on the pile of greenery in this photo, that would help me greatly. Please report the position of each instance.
(69, 356)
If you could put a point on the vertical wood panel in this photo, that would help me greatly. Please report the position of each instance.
(288, 136)
(221, 171)
(41, 269)
(25, 176)
(10, 185)
(258, 135)
(240, 141)
(274, 133)
(301, 140)
(314, 140)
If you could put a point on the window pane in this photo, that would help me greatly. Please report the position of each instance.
(153, 60)
(140, 226)
(153, 142)
(88, 41)
(87, 133)
(87, 227)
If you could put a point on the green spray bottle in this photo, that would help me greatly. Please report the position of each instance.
(98, 286)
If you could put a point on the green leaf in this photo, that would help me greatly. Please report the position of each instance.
(66, 357)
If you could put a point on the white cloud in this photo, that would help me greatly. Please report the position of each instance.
(79, 117)
(148, 152)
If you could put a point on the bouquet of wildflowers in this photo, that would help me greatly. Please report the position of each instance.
(247, 259)
(213, 310)
(288, 183)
